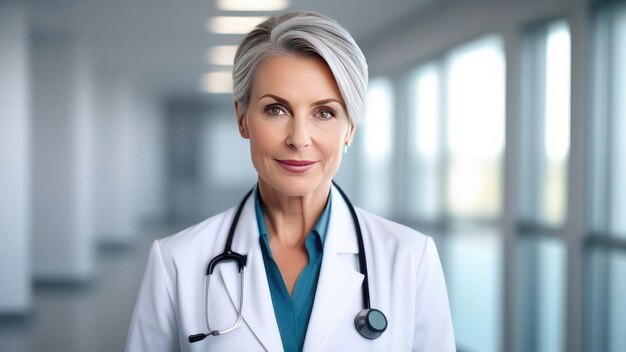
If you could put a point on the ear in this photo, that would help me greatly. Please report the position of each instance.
(241, 122)
(350, 134)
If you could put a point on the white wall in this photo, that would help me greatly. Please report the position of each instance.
(15, 273)
(202, 179)
(224, 177)
(150, 169)
(449, 23)
(62, 159)
(130, 170)
(115, 219)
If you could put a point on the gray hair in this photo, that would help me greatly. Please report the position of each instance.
(304, 34)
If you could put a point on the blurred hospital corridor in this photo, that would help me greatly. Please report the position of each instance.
(92, 316)
(497, 127)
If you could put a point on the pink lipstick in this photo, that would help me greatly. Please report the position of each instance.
(296, 166)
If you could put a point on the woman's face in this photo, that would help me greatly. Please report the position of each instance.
(297, 124)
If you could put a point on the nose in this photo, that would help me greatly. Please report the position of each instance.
(299, 135)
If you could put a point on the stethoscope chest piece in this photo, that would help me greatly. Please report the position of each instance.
(370, 323)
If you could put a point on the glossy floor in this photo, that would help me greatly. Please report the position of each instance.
(91, 317)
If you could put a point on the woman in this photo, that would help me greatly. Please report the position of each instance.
(292, 258)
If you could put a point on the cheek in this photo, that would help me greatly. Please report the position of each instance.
(333, 137)
(331, 145)
(263, 140)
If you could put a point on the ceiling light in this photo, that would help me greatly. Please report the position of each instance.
(222, 55)
(252, 5)
(233, 24)
(217, 82)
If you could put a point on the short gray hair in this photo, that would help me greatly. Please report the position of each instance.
(304, 34)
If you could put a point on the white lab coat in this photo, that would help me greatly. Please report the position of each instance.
(405, 278)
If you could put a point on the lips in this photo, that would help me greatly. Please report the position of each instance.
(296, 166)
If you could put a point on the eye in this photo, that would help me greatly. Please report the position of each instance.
(325, 114)
(274, 110)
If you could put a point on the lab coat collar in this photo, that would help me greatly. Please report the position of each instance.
(339, 282)
(341, 225)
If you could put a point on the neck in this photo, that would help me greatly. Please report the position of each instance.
(289, 219)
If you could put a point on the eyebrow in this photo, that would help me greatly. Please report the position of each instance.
(319, 102)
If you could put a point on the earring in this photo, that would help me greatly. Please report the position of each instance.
(345, 147)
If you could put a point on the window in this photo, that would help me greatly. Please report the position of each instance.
(608, 313)
(474, 103)
(456, 134)
(545, 124)
(607, 240)
(474, 108)
(455, 142)
(609, 117)
(540, 291)
(377, 148)
(425, 144)
(545, 140)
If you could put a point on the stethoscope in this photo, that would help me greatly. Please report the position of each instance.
(370, 322)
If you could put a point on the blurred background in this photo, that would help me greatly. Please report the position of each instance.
(496, 126)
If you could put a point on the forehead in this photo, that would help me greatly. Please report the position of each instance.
(295, 77)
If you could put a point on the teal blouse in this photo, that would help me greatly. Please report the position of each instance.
(293, 313)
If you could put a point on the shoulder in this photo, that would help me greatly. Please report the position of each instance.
(394, 237)
(200, 237)
(390, 230)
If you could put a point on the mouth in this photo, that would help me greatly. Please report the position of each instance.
(296, 166)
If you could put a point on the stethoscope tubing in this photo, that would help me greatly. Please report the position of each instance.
(239, 310)
(365, 289)
(362, 322)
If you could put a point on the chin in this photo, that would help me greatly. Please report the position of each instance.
(296, 186)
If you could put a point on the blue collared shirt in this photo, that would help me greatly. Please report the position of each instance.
(293, 313)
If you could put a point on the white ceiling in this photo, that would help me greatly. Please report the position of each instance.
(163, 43)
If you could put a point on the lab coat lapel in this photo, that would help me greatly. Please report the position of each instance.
(257, 310)
(339, 281)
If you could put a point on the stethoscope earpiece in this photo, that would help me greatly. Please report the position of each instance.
(197, 337)
(370, 323)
